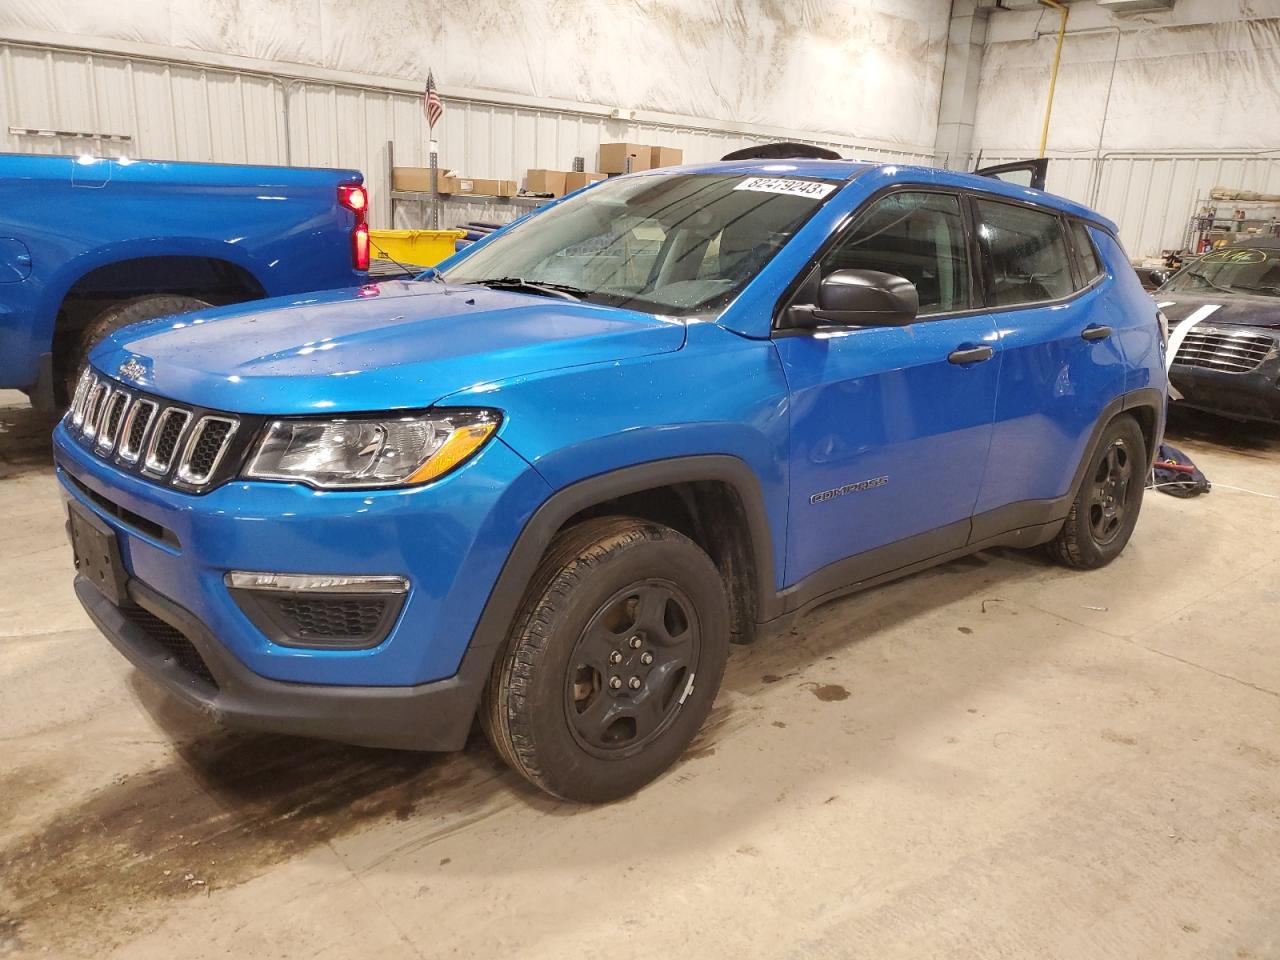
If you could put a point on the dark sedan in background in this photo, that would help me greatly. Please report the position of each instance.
(1224, 321)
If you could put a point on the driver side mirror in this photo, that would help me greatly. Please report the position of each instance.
(1159, 278)
(861, 298)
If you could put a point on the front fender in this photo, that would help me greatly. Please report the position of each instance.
(722, 396)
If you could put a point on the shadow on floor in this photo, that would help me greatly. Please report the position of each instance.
(1251, 438)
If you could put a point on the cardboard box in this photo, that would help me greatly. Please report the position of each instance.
(665, 157)
(613, 157)
(415, 179)
(476, 186)
(576, 180)
(546, 182)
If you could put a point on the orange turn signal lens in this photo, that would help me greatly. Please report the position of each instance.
(462, 443)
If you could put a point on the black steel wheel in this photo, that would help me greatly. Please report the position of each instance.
(613, 662)
(631, 668)
(1106, 505)
(1109, 492)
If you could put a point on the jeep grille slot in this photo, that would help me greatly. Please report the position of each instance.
(92, 408)
(135, 429)
(112, 414)
(168, 443)
(164, 441)
(204, 449)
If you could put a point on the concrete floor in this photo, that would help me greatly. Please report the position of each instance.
(999, 758)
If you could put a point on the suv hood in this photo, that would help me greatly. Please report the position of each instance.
(1260, 311)
(393, 345)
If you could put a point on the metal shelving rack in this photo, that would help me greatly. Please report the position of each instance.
(1200, 224)
(429, 202)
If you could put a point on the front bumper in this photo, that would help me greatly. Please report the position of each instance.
(429, 716)
(1247, 396)
(416, 688)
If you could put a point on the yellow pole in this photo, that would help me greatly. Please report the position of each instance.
(1053, 74)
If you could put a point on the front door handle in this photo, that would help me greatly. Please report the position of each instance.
(965, 355)
(1095, 332)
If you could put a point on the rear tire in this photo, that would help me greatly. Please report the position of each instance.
(612, 663)
(1107, 504)
(120, 315)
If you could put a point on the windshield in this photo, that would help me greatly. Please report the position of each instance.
(1244, 270)
(674, 244)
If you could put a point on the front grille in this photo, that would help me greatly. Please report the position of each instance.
(167, 442)
(1231, 351)
(332, 618)
(173, 641)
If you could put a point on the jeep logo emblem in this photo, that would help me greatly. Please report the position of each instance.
(132, 369)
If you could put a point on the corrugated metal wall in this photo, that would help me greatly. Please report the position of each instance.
(169, 109)
(1153, 196)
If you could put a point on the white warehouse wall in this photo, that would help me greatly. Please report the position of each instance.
(1151, 110)
(525, 84)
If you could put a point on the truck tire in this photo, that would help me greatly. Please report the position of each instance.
(121, 315)
(1106, 506)
(613, 661)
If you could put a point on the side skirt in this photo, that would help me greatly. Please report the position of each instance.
(1022, 525)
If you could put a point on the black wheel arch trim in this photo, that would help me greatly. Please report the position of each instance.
(532, 543)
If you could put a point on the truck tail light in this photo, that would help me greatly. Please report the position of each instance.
(360, 246)
(353, 197)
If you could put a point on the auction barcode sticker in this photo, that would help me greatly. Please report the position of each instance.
(800, 188)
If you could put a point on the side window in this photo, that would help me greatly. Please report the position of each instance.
(1090, 265)
(1026, 254)
(919, 236)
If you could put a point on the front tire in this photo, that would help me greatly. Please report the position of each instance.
(1106, 506)
(613, 661)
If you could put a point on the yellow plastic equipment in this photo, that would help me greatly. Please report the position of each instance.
(418, 248)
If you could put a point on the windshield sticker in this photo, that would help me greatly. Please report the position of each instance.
(799, 188)
(1236, 256)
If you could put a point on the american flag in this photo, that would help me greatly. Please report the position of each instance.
(432, 105)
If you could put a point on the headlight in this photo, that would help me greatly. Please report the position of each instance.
(392, 452)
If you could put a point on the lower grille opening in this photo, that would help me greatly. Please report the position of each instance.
(174, 642)
(333, 618)
(324, 620)
(126, 516)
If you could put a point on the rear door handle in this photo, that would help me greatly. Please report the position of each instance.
(1095, 332)
(965, 355)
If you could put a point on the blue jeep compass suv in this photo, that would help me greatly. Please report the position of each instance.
(548, 483)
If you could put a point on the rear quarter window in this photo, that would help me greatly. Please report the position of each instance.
(1086, 253)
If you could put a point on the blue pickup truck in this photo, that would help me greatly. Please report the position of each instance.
(548, 483)
(88, 245)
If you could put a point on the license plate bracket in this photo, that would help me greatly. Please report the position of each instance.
(97, 554)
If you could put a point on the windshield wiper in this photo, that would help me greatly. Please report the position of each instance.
(562, 290)
(1208, 282)
(1264, 288)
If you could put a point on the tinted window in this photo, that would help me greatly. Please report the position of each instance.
(1026, 252)
(1090, 265)
(919, 236)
